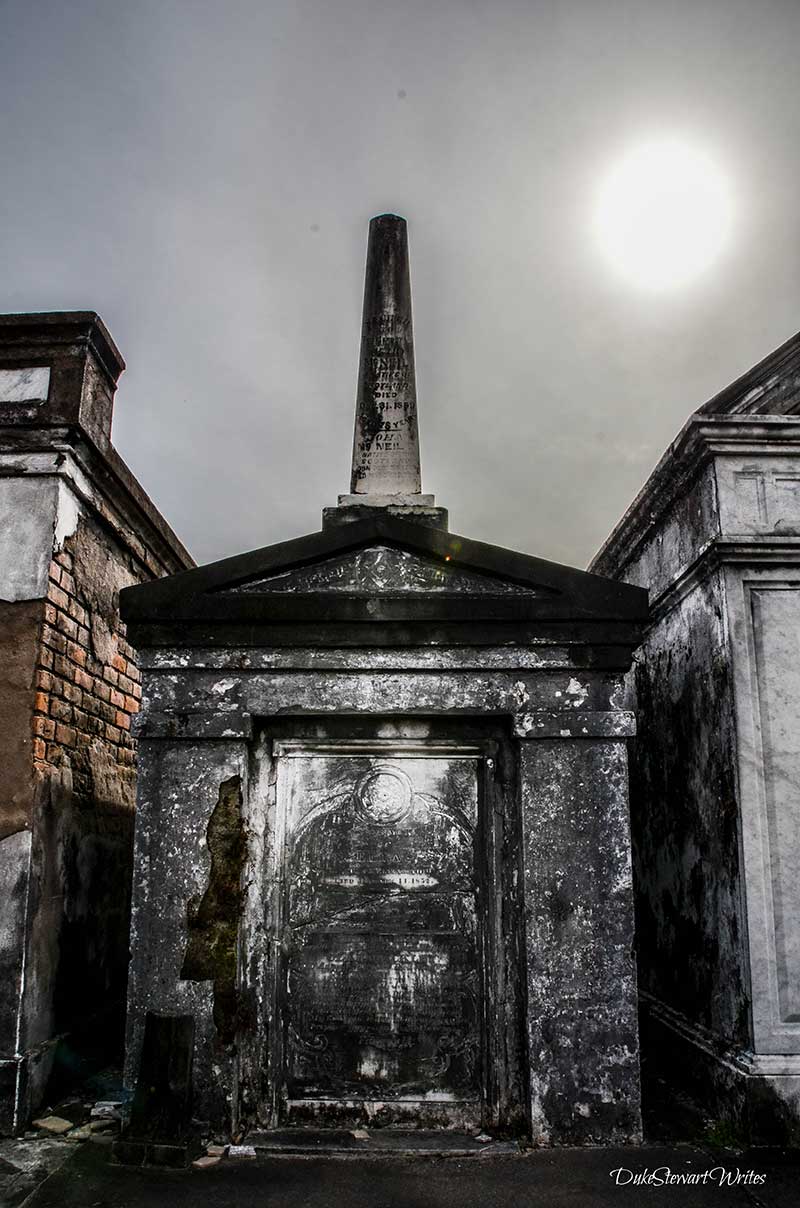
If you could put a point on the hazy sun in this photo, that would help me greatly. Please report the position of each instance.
(664, 214)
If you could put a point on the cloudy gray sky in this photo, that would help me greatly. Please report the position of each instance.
(202, 175)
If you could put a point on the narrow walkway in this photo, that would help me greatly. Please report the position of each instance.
(565, 1178)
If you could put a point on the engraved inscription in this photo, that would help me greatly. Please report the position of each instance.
(386, 453)
(382, 964)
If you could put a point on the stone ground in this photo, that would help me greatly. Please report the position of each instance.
(39, 1171)
(542, 1179)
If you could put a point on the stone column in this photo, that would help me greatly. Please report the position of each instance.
(581, 979)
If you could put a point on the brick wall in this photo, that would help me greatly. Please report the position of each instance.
(80, 700)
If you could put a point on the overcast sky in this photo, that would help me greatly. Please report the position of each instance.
(202, 175)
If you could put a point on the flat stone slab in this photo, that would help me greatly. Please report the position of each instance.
(54, 1124)
(398, 1141)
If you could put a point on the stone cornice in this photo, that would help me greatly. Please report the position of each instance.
(105, 484)
(702, 438)
(736, 550)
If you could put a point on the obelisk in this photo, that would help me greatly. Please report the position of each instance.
(386, 465)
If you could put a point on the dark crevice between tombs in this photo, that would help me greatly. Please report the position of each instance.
(213, 923)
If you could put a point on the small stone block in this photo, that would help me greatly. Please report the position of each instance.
(360, 1134)
(104, 1125)
(216, 1151)
(53, 1124)
(208, 1160)
(241, 1151)
(127, 1153)
(82, 1133)
(174, 1157)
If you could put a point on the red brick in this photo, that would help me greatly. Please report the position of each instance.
(73, 694)
(81, 720)
(137, 691)
(118, 663)
(59, 597)
(46, 658)
(51, 614)
(67, 626)
(125, 684)
(39, 749)
(102, 691)
(56, 641)
(111, 675)
(83, 679)
(45, 727)
(82, 636)
(131, 705)
(117, 699)
(67, 582)
(60, 710)
(76, 653)
(64, 667)
(122, 720)
(77, 612)
(113, 734)
(41, 702)
(63, 558)
(44, 680)
(65, 735)
(125, 756)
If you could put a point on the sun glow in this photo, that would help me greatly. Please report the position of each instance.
(664, 214)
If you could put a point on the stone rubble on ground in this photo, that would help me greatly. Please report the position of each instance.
(206, 1161)
(107, 1109)
(56, 1125)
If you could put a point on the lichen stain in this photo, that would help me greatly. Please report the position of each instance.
(213, 923)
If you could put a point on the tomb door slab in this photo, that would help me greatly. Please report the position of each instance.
(380, 994)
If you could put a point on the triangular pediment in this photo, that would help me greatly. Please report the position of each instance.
(374, 572)
(772, 387)
(382, 569)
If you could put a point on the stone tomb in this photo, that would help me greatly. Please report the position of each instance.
(382, 845)
(715, 535)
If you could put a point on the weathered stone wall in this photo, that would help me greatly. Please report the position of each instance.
(691, 931)
(581, 977)
(78, 794)
(210, 718)
(714, 768)
(75, 528)
(84, 792)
